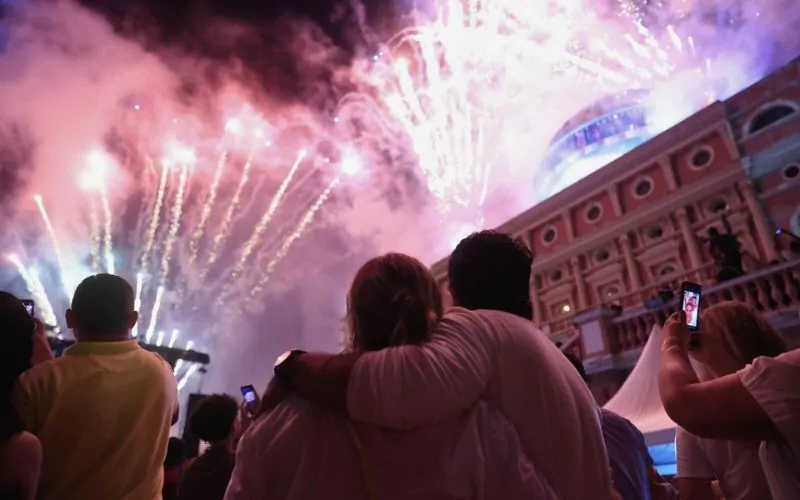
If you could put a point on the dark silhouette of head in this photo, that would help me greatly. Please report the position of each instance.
(712, 232)
(215, 418)
(492, 270)
(102, 309)
(393, 300)
(176, 453)
(16, 347)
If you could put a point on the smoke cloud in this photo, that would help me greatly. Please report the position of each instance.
(239, 176)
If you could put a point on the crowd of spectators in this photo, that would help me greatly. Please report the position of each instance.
(472, 402)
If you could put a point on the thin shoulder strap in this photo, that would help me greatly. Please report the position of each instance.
(370, 488)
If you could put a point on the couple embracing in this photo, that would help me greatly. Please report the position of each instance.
(475, 403)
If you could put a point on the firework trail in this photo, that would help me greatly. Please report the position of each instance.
(108, 255)
(94, 223)
(36, 289)
(155, 217)
(177, 212)
(188, 375)
(208, 207)
(173, 338)
(151, 328)
(137, 300)
(23, 272)
(294, 236)
(43, 301)
(56, 245)
(179, 364)
(225, 227)
(263, 223)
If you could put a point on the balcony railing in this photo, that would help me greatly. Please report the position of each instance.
(672, 282)
(563, 325)
(771, 290)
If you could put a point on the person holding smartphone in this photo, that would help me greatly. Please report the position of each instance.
(216, 420)
(20, 451)
(748, 397)
(732, 336)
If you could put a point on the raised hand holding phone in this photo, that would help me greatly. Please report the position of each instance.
(251, 399)
(690, 304)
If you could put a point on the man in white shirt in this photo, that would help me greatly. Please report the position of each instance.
(485, 348)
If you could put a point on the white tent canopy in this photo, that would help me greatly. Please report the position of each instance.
(638, 399)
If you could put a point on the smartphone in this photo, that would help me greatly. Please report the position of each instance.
(250, 396)
(691, 294)
(28, 307)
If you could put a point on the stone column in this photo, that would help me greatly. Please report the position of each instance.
(695, 255)
(613, 193)
(630, 263)
(580, 285)
(669, 174)
(567, 216)
(763, 232)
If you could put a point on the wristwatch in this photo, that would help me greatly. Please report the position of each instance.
(282, 365)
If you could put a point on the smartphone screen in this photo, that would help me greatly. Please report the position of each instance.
(28, 307)
(249, 393)
(690, 296)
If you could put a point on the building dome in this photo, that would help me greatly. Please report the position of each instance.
(594, 137)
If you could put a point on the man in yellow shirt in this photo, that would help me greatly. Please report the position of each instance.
(103, 410)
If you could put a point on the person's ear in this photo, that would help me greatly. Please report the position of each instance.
(453, 298)
(134, 318)
(70, 319)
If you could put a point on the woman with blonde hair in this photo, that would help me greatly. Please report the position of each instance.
(737, 411)
(733, 335)
(302, 451)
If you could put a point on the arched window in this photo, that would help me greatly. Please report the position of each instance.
(768, 116)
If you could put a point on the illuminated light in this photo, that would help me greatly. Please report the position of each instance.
(566, 308)
(181, 154)
(351, 165)
(234, 126)
(98, 166)
(136, 107)
(173, 338)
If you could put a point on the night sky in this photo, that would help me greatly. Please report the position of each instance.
(184, 22)
(268, 43)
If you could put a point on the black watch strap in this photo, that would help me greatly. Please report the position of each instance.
(282, 365)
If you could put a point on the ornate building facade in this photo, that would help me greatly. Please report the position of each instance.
(618, 237)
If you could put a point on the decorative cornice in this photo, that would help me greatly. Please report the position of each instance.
(681, 197)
